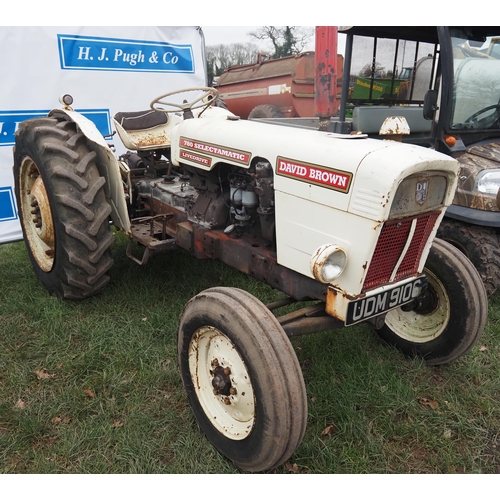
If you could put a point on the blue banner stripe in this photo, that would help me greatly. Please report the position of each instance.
(7, 205)
(10, 120)
(113, 54)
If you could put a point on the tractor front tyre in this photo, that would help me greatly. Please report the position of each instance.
(480, 244)
(62, 206)
(452, 312)
(265, 111)
(242, 378)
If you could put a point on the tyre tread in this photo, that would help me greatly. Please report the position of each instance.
(265, 111)
(78, 202)
(480, 244)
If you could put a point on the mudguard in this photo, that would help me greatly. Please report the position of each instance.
(109, 167)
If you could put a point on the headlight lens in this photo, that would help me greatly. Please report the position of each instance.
(328, 263)
(488, 182)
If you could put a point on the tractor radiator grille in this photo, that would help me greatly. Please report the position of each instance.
(391, 244)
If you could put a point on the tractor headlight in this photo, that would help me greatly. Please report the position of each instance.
(488, 182)
(328, 263)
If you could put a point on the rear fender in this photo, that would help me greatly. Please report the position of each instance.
(109, 167)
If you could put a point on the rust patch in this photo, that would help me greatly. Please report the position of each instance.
(336, 302)
(148, 139)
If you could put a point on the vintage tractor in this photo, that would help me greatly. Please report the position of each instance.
(344, 221)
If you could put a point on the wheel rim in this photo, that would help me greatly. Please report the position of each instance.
(37, 215)
(215, 361)
(421, 328)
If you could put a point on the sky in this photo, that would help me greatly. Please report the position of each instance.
(222, 24)
(197, 12)
(215, 35)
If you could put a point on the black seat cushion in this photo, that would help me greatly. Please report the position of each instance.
(141, 120)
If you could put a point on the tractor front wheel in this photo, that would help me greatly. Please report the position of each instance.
(451, 315)
(242, 378)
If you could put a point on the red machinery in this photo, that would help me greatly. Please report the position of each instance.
(285, 87)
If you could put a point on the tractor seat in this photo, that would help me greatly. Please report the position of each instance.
(141, 120)
(145, 130)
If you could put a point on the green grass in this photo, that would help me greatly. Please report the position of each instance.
(94, 386)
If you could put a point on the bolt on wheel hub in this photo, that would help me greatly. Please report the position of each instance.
(427, 321)
(37, 215)
(222, 383)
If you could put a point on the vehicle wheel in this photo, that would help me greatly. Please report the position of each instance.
(451, 316)
(242, 378)
(63, 209)
(480, 244)
(265, 111)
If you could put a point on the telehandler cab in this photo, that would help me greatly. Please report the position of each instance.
(451, 100)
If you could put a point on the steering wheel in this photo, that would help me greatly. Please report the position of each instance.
(159, 103)
(473, 118)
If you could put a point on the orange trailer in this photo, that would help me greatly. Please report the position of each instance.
(273, 88)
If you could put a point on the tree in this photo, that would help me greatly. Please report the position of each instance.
(221, 57)
(286, 40)
(366, 70)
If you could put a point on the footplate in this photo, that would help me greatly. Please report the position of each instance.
(150, 232)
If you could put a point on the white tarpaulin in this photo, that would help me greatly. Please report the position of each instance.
(105, 69)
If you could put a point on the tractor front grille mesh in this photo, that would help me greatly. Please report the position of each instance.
(390, 245)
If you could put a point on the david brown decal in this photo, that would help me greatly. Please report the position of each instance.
(114, 54)
(236, 155)
(314, 174)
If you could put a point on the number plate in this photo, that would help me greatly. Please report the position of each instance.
(381, 302)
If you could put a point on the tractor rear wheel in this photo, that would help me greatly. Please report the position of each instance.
(451, 315)
(242, 378)
(480, 244)
(63, 208)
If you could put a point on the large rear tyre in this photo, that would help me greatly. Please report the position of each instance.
(63, 209)
(265, 111)
(242, 378)
(451, 316)
(480, 244)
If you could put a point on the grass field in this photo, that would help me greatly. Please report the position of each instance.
(94, 387)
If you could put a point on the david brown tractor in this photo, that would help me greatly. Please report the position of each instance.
(344, 221)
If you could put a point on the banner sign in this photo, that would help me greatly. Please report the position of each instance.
(105, 69)
(108, 54)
